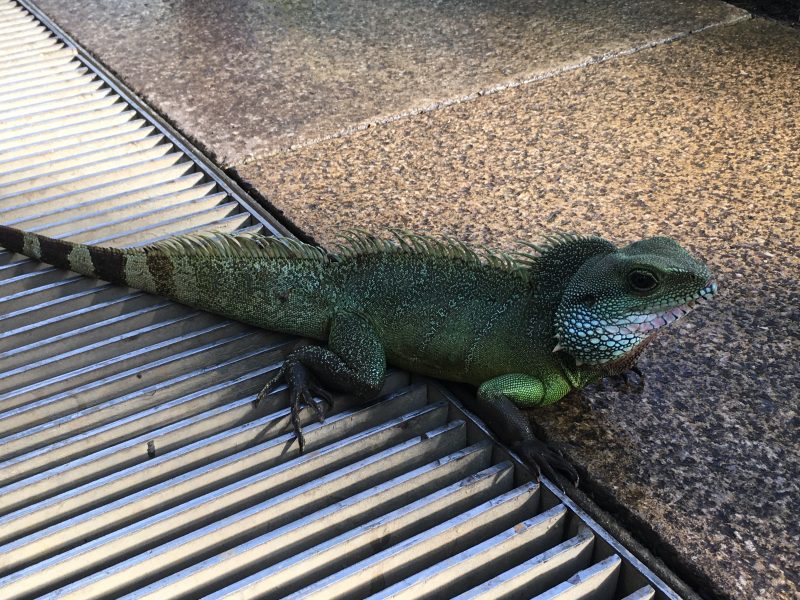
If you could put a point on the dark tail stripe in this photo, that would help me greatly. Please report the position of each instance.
(54, 252)
(109, 264)
(12, 239)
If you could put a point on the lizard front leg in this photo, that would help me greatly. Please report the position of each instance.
(497, 403)
(354, 362)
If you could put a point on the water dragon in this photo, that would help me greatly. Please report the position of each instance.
(524, 327)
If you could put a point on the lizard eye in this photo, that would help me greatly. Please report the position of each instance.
(642, 281)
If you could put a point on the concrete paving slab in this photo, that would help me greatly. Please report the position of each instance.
(248, 77)
(699, 140)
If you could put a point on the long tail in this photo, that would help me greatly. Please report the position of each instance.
(275, 283)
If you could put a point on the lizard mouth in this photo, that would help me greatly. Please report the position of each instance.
(652, 322)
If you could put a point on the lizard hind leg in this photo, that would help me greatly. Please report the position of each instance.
(354, 362)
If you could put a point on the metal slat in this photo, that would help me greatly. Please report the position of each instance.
(88, 403)
(199, 199)
(128, 155)
(15, 21)
(40, 103)
(645, 593)
(19, 131)
(596, 582)
(195, 442)
(144, 310)
(15, 141)
(480, 561)
(147, 345)
(49, 335)
(539, 573)
(52, 92)
(166, 495)
(43, 77)
(11, 40)
(29, 299)
(113, 445)
(136, 343)
(13, 12)
(137, 163)
(60, 63)
(132, 460)
(223, 217)
(133, 223)
(12, 65)
(73, 299)
(14, 120)
(30, 47)
(141, 207)
(52, 152)
(121, 219)
(34, 43)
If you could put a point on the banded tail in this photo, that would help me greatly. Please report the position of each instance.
(270, 282)
(93, 261)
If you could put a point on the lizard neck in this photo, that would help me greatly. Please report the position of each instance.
(581, 376)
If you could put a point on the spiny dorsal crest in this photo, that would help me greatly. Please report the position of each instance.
(216, 244)
(358, 242)
(566, 250)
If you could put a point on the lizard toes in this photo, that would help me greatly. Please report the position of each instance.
(325, 402)
(315, 405)
(547, 461)
(639, 375)
(271, 384)
(295, 407)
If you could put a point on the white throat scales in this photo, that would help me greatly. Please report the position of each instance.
(595, 338)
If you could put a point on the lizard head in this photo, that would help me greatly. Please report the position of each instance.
(616, 302)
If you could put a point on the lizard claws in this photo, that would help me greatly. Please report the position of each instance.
(303, 392)
(271, 385)
(626, 378)
(320, 400)
(546, 460)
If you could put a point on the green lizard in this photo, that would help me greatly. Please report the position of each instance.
(525, 327)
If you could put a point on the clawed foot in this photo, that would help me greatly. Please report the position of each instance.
(544, 459)
(627, 377)
(303, 391)
(639, 375)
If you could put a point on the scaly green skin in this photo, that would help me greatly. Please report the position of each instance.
(526, 327)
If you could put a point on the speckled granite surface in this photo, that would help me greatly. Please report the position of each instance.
(247, 77)
(700, 140)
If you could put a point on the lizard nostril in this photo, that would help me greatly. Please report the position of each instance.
(589, 300)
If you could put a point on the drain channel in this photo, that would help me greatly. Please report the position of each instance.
(131, 459)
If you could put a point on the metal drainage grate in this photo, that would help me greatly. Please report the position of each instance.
(131, 460)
